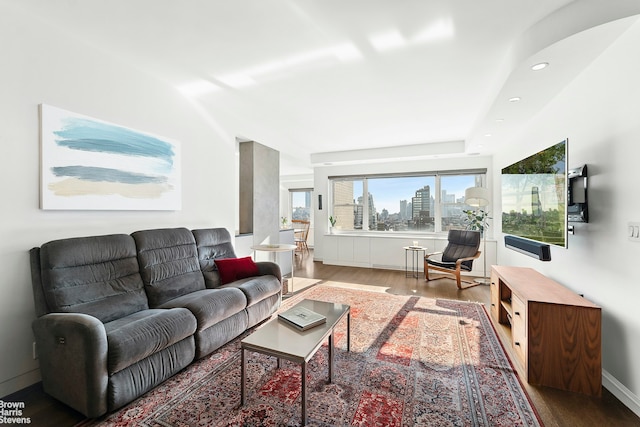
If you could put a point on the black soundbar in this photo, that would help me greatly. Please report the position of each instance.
(531, 248)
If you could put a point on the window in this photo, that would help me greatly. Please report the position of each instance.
(402, 203)
(428, 202)
(300, 204)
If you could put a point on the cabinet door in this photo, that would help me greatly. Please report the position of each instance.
(495, 297)
(518, 329)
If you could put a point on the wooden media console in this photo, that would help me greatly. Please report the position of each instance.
(555, 333)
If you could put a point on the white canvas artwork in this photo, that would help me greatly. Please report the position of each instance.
(89, 164)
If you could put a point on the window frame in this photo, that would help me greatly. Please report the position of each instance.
(481, 180)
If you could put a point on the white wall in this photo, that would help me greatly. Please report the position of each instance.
(40, 64)
(599, 113)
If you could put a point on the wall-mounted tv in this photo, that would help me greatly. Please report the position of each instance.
(534, 196)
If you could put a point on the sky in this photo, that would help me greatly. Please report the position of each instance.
(387, 192)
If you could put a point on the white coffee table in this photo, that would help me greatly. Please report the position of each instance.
(276, 338)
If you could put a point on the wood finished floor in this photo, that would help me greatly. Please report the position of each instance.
(556, 408)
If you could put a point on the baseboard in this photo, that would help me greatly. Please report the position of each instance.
(389, 267)
(346, 264)
(15, 384)
(623, 394)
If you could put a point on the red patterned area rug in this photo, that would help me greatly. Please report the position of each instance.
(414, 361)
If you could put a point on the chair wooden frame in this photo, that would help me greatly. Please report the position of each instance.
(455, 271)
(300, 237)
(461, 243)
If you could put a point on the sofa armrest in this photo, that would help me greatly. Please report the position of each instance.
(269, 268)
(72, 350)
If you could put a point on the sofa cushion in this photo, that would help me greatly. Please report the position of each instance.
(257, 288)
(144, 333)
(213, 244)
(169, 264)
(137, 379)
(210, 306)
(96, 275)
(232, 269)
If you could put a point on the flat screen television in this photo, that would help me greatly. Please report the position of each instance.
(534, 196)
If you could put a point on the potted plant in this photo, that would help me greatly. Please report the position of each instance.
(332, 221)
(477, 220)
(284, 221)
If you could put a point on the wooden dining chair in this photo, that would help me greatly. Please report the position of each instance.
(301, 233)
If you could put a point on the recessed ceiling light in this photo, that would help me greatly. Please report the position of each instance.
(487, 135)
(514, 99)
(499, 120)
(539, 66)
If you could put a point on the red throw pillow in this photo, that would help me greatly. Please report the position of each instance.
(232, 269)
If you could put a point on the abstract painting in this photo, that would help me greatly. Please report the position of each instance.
(94, 165)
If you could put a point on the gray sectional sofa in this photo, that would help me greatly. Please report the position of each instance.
(119, 314)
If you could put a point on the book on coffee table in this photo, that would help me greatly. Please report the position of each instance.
(302, 318)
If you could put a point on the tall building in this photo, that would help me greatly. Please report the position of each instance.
(421, 202)
(448, 206)
(358, 214)
(404, 214)
(421, 209)
(373, 218)
(343, 204)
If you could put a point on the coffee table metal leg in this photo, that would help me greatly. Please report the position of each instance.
(293, 263)
(349, 330)
(331, 354)
(304, 393)
(243, 377)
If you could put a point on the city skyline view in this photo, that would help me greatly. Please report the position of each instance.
(394, 203)
(389, 192)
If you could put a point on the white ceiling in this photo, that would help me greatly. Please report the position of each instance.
(325, 76)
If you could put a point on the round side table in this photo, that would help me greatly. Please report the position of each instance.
(415, 252)
(279, 247)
